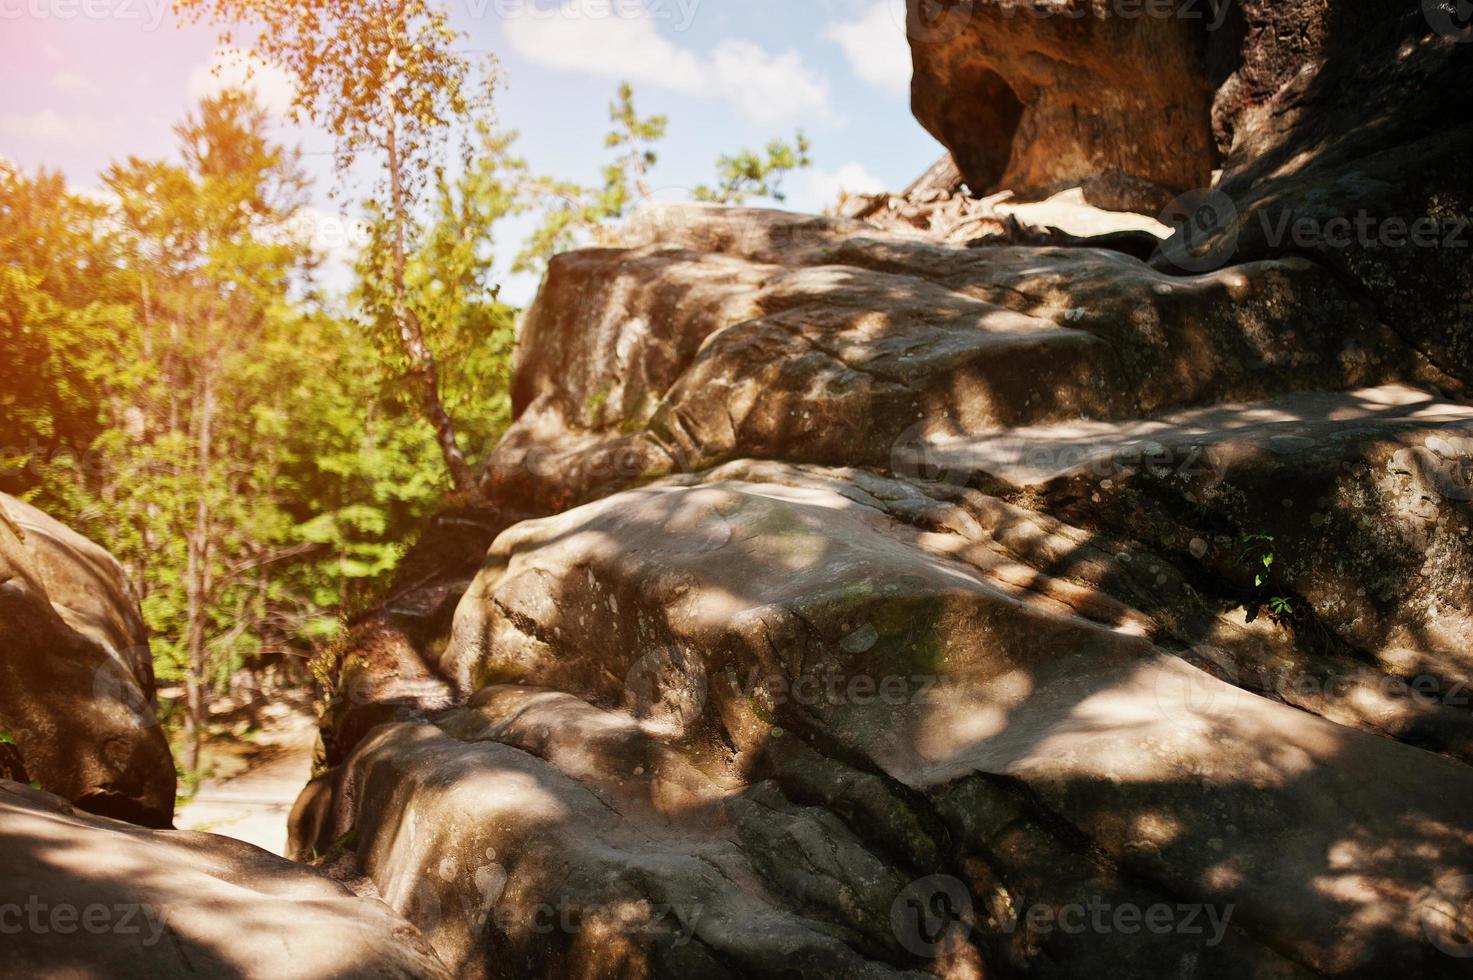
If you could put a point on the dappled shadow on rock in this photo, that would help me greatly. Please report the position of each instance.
(769, 700)
(86, 896)
(730, 333)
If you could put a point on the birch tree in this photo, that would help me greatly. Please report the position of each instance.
(385, 80)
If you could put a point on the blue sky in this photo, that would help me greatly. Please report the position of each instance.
(91, 81)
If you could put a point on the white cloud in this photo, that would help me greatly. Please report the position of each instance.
(71, 82)
(816, 190)
(875, 45)
(50, 126)
(233, 68)
(768, 89)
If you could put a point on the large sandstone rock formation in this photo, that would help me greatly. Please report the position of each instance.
(1029, 94)
(1262, 44)
(1342, 131)
(1360, 161)
(849, 603)
(76, 675)
(88, 897)
(891, 608)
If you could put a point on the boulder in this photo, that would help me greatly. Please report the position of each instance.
(1359, 161)
(1262, 44)
(86, 896)
(1029, 95)
(1353, 511)
(764, 708)
(792, 655)
(727, 332)
(77, 695)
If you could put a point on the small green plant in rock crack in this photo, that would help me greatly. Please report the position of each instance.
(1260, 554)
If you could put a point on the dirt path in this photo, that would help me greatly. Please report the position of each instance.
(254, 804)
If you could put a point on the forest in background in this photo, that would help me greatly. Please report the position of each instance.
(256, 454)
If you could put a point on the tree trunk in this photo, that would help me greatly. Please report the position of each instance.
(197, 580)
(421, 359)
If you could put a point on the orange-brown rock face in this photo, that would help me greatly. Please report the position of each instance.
(1028, 95)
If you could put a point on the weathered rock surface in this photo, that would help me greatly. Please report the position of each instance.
(1034, 94)
(734, 332)
(1343, 132)
(827, 677)
(1359, 161)
(91, 897)
(1361, 498)
(863, 605)
(1262, 44)
(76, 675)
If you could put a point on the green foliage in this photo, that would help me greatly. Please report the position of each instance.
(572, 214)
(384, 79)
(379, 78)
(253, 461)
(61, 310)
(1260, 555)
(636, 137)
(448, 277)
(749, 174)
(173, 390)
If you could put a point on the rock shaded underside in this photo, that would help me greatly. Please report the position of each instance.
(76, 674)
(86, 896)
(844, 609)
